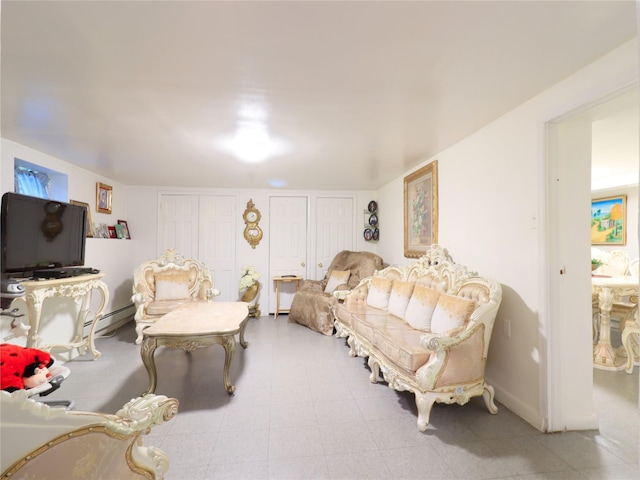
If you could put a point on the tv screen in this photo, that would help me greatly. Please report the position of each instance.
(40, 234)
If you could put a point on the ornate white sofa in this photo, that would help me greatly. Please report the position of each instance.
(54, 443)
(426, 327)
(161, 285)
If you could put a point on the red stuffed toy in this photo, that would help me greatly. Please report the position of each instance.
(19, 364)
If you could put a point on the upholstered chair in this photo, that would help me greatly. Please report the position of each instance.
(161, 285)
(312, 303)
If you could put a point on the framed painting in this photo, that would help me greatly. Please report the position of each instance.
(609, 221)
(420, 210)
(103, 198)
(89, 225)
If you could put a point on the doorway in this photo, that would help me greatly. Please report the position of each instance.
(569, 373)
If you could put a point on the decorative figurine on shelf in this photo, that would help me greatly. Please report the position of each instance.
(250, 287)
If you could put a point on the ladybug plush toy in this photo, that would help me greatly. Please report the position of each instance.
(22, 367)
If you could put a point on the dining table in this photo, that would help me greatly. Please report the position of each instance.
(609, 289)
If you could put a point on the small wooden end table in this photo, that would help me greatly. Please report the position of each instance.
(194, 325)
(277, 281)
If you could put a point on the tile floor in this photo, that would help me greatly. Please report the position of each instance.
(304, 409)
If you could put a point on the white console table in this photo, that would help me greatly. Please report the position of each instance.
(78, 288)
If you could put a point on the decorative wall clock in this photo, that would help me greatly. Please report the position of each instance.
(252, 230)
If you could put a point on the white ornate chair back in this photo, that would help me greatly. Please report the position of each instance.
(617, 263)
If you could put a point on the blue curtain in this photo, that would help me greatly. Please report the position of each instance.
(29, 182)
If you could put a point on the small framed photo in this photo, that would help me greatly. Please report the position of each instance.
(89, 225)
(119, 230)
(124, 224)
(112, 231)
(103, 198)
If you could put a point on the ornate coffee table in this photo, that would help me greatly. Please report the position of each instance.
(195, 325)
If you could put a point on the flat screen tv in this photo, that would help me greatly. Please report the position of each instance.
(39, 234)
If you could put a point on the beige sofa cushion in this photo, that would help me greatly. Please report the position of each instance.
(451, 312)
(379, 292)
(399, 297)
(337, 277)
(421, 307)
(402, 346)
(171, 285)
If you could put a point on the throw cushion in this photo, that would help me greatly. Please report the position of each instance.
(451, 312)
(421, 306)
(337, 277)
(379, 291)
(399, 298)
(172, 285)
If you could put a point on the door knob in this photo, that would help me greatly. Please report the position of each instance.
(302, 264)
(320, 264)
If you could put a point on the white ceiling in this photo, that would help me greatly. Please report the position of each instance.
(358, 92)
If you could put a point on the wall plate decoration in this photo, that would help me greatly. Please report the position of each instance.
(373, 220)
(368, 234)
(373, 206)
(252, 230)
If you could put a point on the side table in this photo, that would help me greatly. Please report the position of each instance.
(277, 281)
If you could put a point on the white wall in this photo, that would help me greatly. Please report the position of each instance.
(492, 218)
(143, 223)
(114, 257)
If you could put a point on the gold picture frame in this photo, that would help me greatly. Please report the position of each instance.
(421, 210)
(89, 225)
(103, 198)
(609, 220)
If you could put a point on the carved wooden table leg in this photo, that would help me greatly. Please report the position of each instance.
(243, 327)
(229, 344)
(147, 350)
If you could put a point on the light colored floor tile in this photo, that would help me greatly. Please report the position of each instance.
(304, 409)
(361, 465)
(294, 442)
(348, 437)
(245, 446)
(303, 468)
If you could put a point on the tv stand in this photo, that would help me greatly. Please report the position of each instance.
(80, 289)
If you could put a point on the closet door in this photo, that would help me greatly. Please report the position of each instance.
(178, 224)
(334, 225)
(287, 245)
(217, 242)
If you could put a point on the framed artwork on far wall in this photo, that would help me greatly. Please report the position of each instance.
(89, 225)
(103, 198)
(609, 220)
(420, 210)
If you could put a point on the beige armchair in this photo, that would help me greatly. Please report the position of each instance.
(311, 305)
(161, 285)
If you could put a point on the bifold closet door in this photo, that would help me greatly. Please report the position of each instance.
(334, 225)
(287, 245)
(178, 225)
(217, 242)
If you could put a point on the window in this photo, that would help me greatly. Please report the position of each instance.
(39, 181)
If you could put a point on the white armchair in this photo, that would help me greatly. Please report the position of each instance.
(44, 442)
(161, 285)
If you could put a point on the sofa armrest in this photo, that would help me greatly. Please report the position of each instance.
(437, 341)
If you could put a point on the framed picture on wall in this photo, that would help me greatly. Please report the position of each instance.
(103, 198)
(420, 210)
(89, 225)
(609, 221)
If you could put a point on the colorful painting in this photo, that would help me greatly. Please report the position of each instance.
(421, 210)
(609, 221)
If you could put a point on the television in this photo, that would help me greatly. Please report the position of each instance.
(40, 234)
